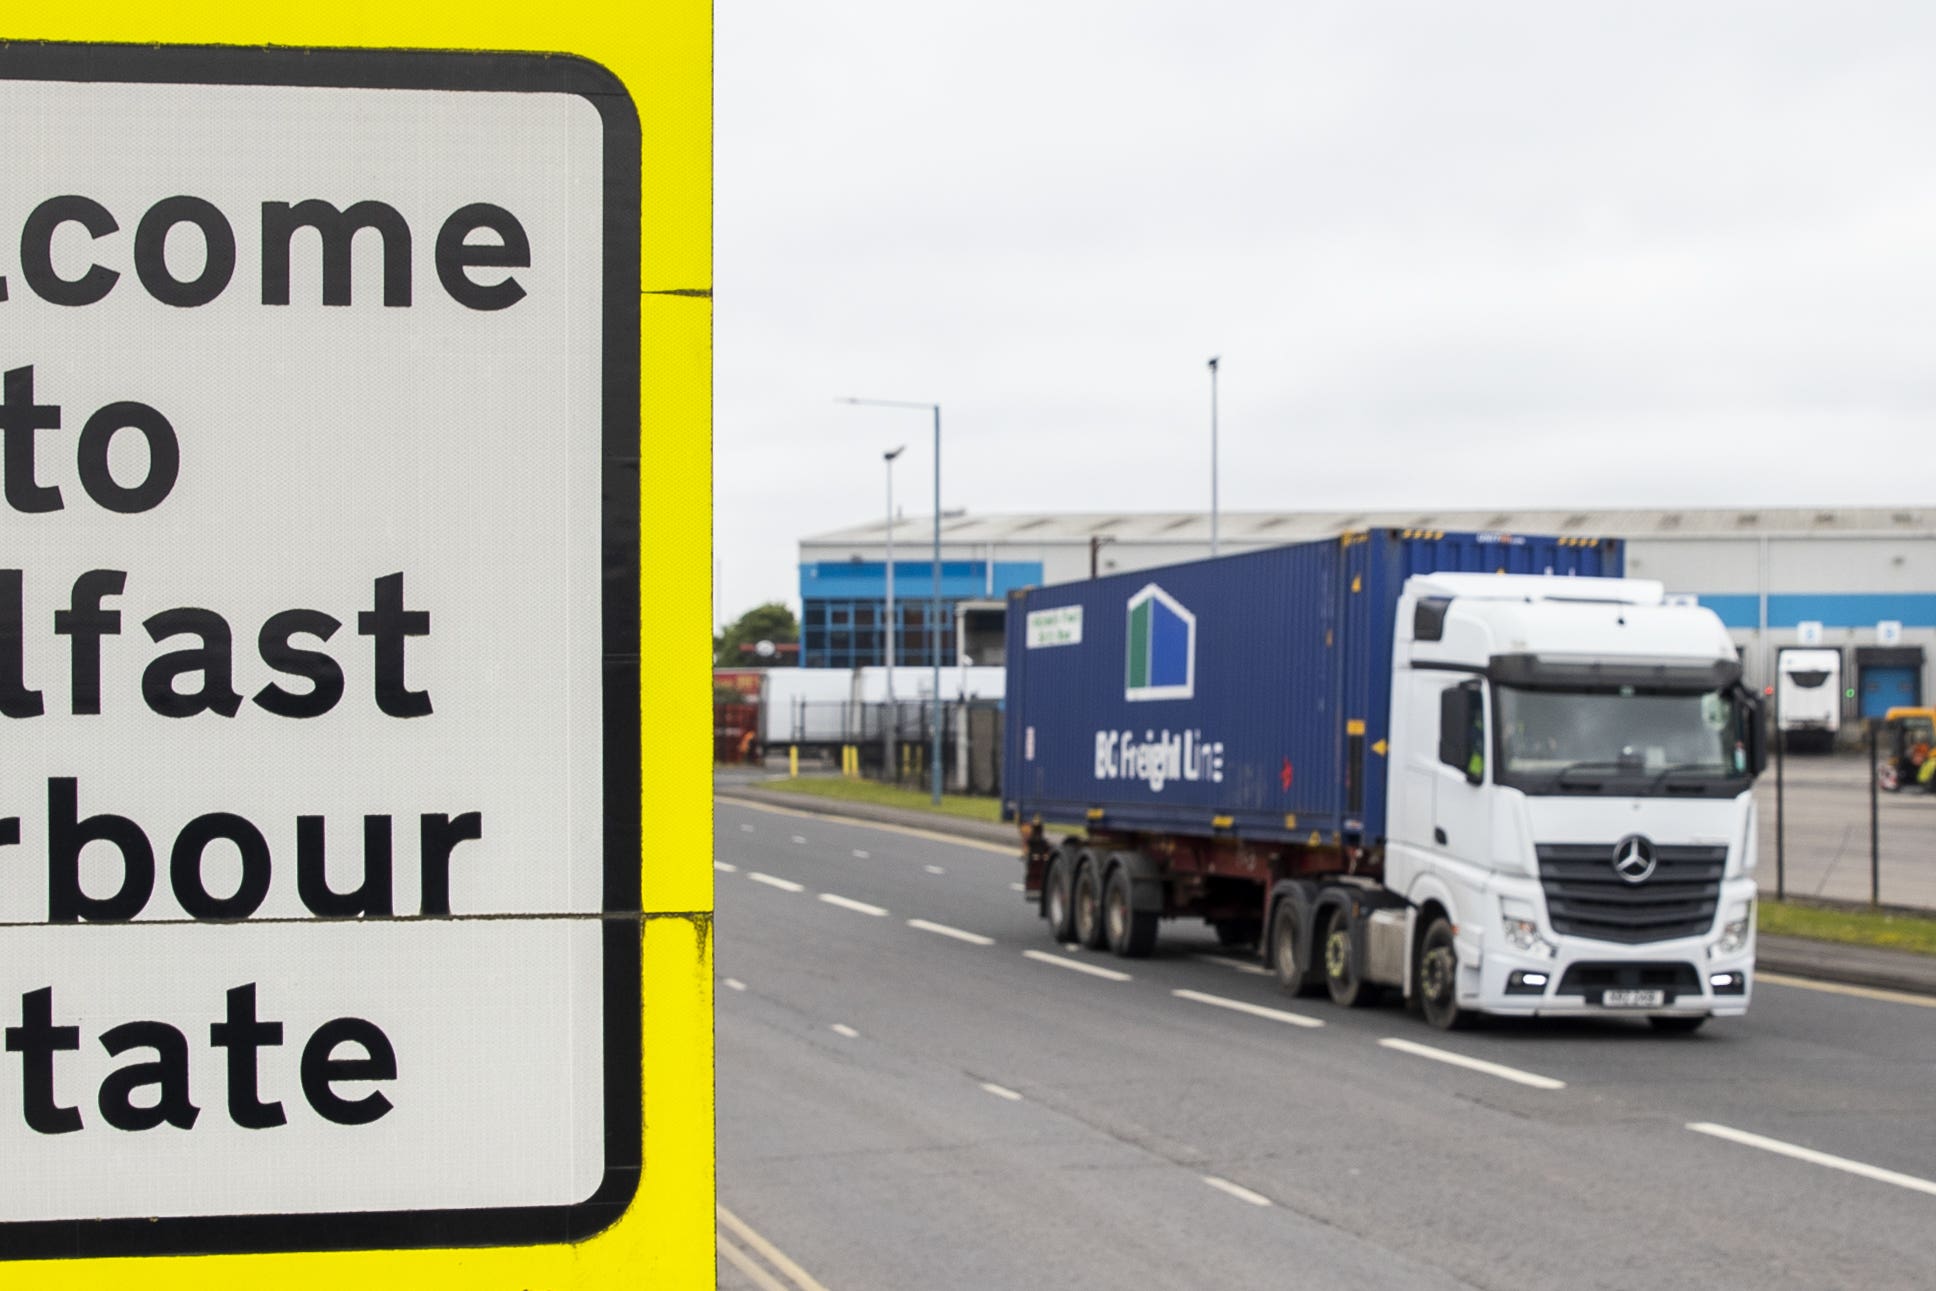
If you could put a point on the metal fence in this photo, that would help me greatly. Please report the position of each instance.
(894, 742)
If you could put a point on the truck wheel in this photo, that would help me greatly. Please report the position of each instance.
(1677, 1026)
(1284, 953)
(1088, 905)
(1237, 933)
(1057, 899)
(1132, 932)
(1341, 978)
(1437, 987)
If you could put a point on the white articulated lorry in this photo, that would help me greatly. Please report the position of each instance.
(1505, 793)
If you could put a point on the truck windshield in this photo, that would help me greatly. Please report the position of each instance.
(1626, 741)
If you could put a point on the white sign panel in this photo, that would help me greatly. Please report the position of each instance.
(1889, 632)
(1809, 632)
(303, 650)
(1057, 627)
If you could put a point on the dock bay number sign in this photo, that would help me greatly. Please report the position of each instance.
(318, 650)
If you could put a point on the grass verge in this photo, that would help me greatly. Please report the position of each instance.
(841, 789)
(1882, 928)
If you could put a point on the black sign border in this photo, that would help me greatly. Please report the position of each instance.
(484, 72)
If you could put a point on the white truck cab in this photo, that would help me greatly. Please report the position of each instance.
(1572, 766)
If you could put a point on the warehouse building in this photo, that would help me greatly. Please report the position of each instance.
(1859, 580)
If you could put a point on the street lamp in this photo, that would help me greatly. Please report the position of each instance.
(934, 591)
(1213, 455)
(893, 714)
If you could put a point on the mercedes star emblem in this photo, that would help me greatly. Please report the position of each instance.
(1634, 859)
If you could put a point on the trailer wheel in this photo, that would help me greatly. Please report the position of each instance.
(1341, 978)
(1088, 905)
(1131, 932)
(1677, 1025)
(1057, 899)
(1437, 987)
(1284, 952)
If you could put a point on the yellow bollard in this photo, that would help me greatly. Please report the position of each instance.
(793, 761)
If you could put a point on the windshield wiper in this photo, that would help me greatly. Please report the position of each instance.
(1686, 768)
(1597, 769)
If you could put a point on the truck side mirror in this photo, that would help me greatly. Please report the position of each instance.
(1461, 730)
(1754, 720)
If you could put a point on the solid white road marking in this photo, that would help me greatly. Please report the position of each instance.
(972, 938)
(934, 869)
(1837, 988)
(859, 855)
(842, 1029)
(801, 1278)
(734, 984)
(954, 840)
(1500, 1070)
(848, 903)
(1241, 965)
(1237, 1190)
(1255, 1010)
(785, 885)
(1810, 1155)
(724, 868)
(1075, 965)
(1001, 1092)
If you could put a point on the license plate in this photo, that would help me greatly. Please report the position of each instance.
(1634, 999)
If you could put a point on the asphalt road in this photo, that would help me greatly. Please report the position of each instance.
(916, 1089)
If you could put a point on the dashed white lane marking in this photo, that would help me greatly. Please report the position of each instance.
(1075, 965)
(785, 885)
(972, 938)
(1255, 1010)
(1837, 988)
(734, 984)
(842, 1029)
(1000, 1091)
(801, 1278)
(1237, 1190)
(934, 869)
(725, 868)
(800, 838)
(1241, 965)
(1810, 1155)
(848, 903)
(1016, 887)
(953, 840)
(745, 829)
(1500, 1070)
(860, 855)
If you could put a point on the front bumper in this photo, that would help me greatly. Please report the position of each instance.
(1581, 972)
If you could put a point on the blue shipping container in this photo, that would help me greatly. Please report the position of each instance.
(1254, 687)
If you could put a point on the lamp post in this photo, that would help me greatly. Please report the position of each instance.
(1213, 455)
(934, 591)
(893, 714)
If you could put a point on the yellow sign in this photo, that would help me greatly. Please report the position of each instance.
(353, 355)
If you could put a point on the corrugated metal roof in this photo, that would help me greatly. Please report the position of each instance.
(1241, 527)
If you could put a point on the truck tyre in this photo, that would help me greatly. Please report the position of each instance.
(1341, 978)
(1677, 1026)
(1131, 932)
(1283, 945)
(1437, 978)
(1058, 899)
(1235, 934)
(1087, 899)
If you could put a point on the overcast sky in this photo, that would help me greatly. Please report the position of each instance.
(1452, 255)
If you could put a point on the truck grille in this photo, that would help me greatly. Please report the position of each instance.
(1585, 898)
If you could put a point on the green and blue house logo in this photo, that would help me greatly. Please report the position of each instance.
(1161, 658)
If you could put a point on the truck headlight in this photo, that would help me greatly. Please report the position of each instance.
(1521, 927)
(1734, 934)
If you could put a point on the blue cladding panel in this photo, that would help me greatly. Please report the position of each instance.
(1291, 645)
(1830, 609)
(867, 580)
